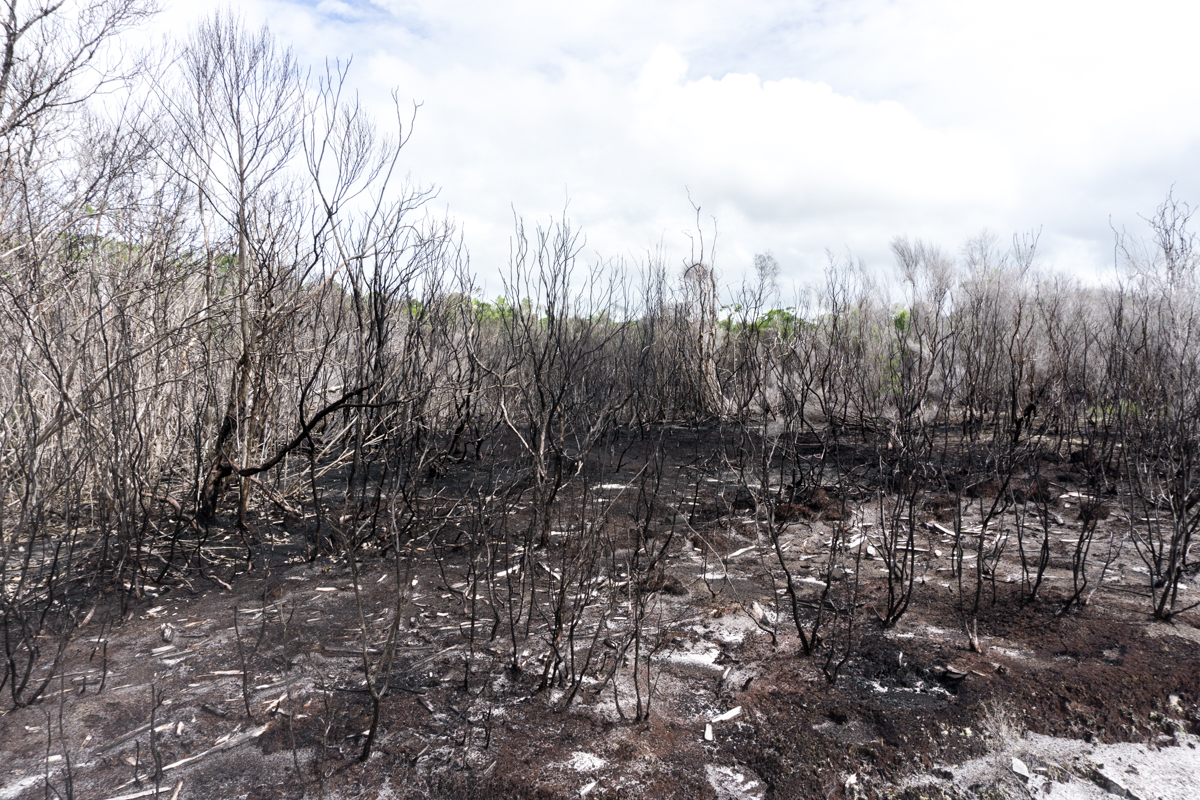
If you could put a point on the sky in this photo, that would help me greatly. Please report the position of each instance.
(798, 128)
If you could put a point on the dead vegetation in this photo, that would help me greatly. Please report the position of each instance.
(280, 492)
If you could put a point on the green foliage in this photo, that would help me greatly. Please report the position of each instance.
(500, 310)
(727, 324)
(488, 312)
(415, 308)
(783, 321)
(1112, 411)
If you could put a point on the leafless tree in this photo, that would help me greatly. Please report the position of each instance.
(237, 116)
(917, 398)
(1156, 322)
(57, 55)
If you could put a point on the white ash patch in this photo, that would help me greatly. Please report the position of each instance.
(1082, 771)
(1183, 631)
(15, 788)
(582, 761)
(734, 783)
(730, 629)
(921, 688)
(1011, 652)
(932, 630)
(701, 654)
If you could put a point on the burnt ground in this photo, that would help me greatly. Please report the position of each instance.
(162, 689)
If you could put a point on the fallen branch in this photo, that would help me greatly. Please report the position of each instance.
(148, 792)
(228, 744)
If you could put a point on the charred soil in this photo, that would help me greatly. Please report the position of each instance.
(692, 684)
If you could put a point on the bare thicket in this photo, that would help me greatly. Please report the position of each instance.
(226, 311)
(1155, 328)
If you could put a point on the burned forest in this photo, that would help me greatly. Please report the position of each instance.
(290, 507)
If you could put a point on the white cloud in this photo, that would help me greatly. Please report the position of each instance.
(339, 9)
(793, 147)
(801, 126)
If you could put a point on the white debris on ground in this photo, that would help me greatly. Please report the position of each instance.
(700, 654)
(1070, 769)
(581, 761)
(920, 687)
(734, 783)
(16, 787)
(704, 650)
(730, 629)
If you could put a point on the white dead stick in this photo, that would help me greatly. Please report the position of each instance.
(148, 792)
(120, 740)
(227, 744)
(274, 704)
(728, 715)
(941, 528)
